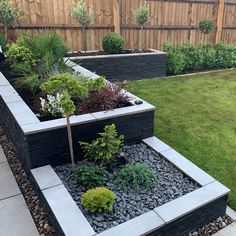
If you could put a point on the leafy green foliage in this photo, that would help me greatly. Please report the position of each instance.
(186, 58)
(21, 54)
(142, 14)
(48, 48)
(206, 26)
(69, 86)
(135, 176)
(37, 58)
(90, 176)
(3, 42)
(8, 15)
(105, 147)
(82, 14)
(113, 43)
(98, 200)
(175, 59)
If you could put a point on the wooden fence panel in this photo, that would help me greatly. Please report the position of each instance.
(171, 20)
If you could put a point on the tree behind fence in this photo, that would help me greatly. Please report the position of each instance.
(171, 20)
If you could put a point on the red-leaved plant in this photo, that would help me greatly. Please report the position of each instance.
(108, 98)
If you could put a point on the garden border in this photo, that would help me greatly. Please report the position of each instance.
(37, 143)
(175, 217)
(128, 66)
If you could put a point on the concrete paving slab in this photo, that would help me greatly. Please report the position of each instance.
(46, 177)
(140, 225)
(71, 219)
(8, 185)
(230, 230)
(187, 167)
(15, 218)
(231, 213)
(2, 156)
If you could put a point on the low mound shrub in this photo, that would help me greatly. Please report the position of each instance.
(135, 176)
(90, 176)
(113, 43)
(98, 199)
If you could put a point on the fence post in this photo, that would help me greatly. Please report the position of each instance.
(116, 15)
(219, 20)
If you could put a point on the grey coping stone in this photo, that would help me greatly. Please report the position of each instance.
(187, 167)
(8, 183)
(9, 94)
(15, 218)
(153, 51)
(67, 213)
(191, 201)
(137, 226)
(2, 156)
(3, 80)
(230, 230)
(123, 111)
(58, 123)
(231, 213)
(156, 144)
(45, 177)
(85, 72)
(22, 113)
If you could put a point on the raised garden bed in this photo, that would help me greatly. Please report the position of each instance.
(129, 66)
(40, 143)
(184, 199)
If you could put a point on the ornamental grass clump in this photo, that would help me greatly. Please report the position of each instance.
(135, 176)
(8, 16)
(69, 86)
(99, 199)
(103, 149)
(84, 15)
(142, 16)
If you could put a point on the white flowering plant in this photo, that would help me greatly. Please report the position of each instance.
(51, 106)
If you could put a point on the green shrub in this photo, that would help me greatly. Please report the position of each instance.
(20, 54)
(193, 58)
(185, 57)
(208, 55)
(113, 43)
(3, 42)
(175, 59)
(135, 176)
(225, 56)
(90, 176)
(105, 147)
(206, 26)
(98, 200)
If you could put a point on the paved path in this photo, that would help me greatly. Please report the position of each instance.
(15, 217)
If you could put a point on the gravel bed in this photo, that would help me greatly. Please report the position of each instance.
(213, 227)
(171, 184)
(37, 211)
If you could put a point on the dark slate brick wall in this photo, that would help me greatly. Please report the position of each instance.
(127, 67)
(51, 147)
(14, 134)
(194, 220)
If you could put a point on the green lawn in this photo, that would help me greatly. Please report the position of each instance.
(196, 115)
